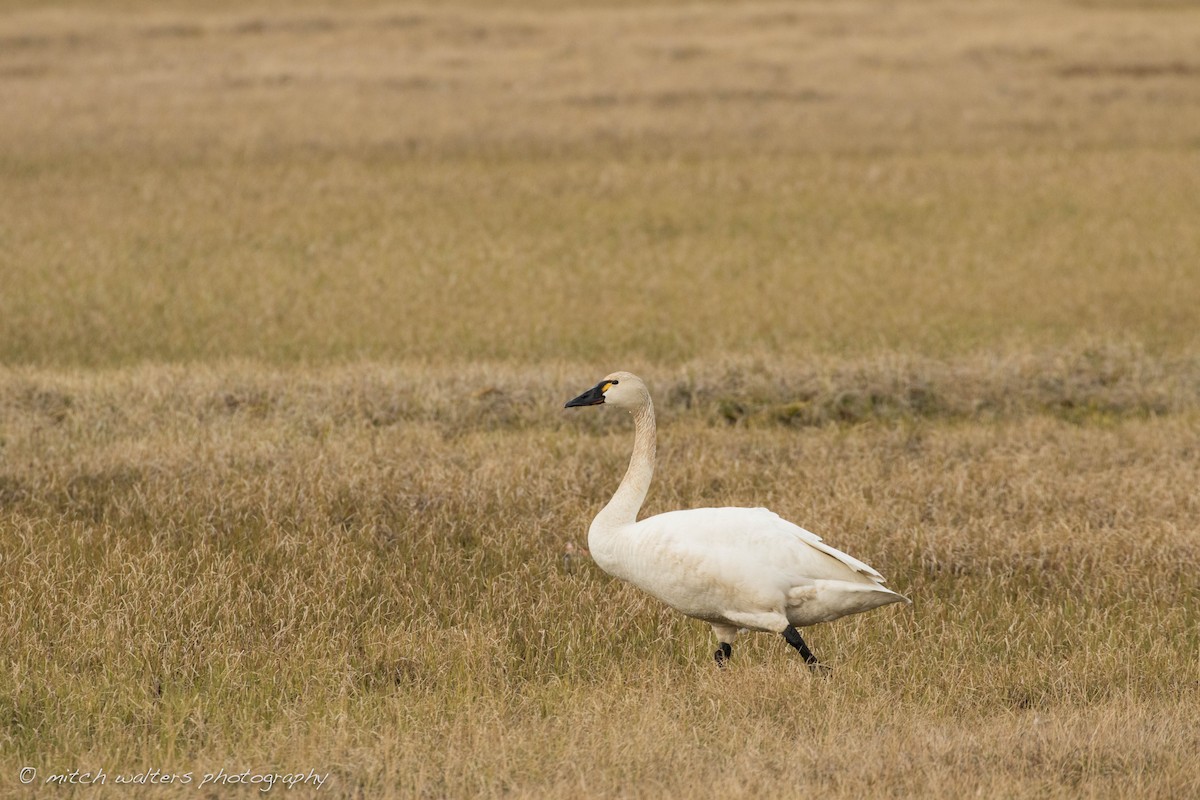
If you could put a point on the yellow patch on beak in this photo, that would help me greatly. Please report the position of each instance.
(604, 388)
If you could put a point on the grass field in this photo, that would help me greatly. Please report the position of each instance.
(292, 295)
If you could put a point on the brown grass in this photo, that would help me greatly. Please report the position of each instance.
(595, 183)
(219, 567)
(293, 294)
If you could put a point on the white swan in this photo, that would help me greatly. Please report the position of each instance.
(733, 568)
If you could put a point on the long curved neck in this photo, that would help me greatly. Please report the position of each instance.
(625, 504)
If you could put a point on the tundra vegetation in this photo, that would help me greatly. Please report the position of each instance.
(292, 293)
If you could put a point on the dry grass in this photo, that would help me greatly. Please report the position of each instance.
(293, 294)
(361, 570)
(213, 566)
(595, 183)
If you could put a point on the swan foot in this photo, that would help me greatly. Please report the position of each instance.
(793, 637)
(724, 651)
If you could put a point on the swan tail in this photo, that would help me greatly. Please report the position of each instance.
(825, 600)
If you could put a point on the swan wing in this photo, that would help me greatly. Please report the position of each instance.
(742, 566)
(812, 540)
(745, 546)
(755, 535)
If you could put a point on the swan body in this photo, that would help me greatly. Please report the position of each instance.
(734, 568)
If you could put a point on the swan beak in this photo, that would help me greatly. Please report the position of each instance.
(592, 397)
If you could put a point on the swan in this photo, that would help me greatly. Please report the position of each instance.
(734, 568)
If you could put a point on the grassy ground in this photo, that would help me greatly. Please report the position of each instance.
(596, 184)
(293, 294)
(362, 571)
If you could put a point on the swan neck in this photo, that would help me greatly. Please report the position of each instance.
(625, 504)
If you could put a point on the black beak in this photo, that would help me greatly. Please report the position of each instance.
(592, 397)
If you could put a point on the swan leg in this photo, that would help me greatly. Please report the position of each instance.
(725, 636)
(793, 637)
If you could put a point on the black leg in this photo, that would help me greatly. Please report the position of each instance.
(724, 651)
(795, 640)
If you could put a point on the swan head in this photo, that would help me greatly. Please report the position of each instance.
(621, 389)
